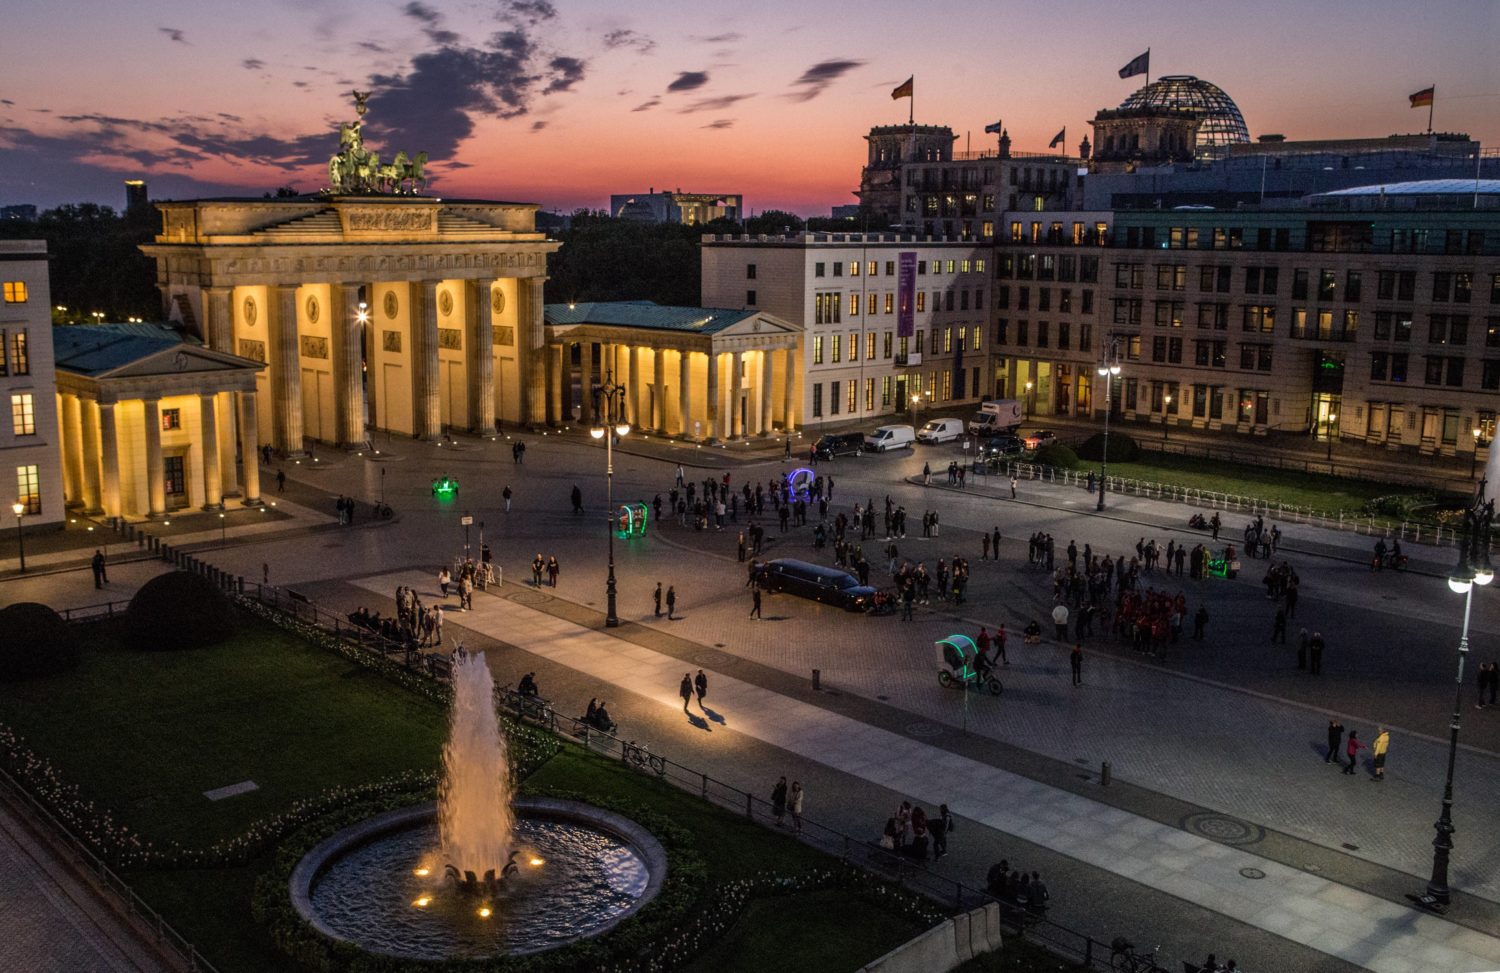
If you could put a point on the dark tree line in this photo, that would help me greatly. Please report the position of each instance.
(95, 262)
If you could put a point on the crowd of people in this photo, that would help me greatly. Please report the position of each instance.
(913, 833)
(1017, 887)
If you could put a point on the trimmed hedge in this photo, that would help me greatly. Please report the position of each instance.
(1056, 455)
(35, 641)
(178, 610)
(1122, 448)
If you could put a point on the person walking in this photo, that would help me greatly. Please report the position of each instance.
(700, 686)
(794, 804)
(1200, 622)
(553, 570)
(984, 550)
(671, 602)
(437, 625)
(281, 481)
(1378, 748)
(1000, 645)
(1278, 627)
(506, 494)
(778, 802)
(1335, 737)
(1075, 660)
(577, 500)
(101, 579)
(685, 690)
(1489, 679)
(444, 580)
(755, 602)
(1012, 486)
(926, 474)
(656, 597)
(1315, 655)
(940, 826)
(1351, 750)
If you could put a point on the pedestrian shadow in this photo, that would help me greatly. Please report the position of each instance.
(713, 715)
(1319, 747)
(699, 722)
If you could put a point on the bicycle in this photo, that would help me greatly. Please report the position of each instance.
(383, 510)
(1124, 958)
(642, 759)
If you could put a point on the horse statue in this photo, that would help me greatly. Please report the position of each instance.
(366, 172)
(388, 177)
(415, 172)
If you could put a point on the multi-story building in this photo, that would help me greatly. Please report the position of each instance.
(1047, 308)
(1369, 313)
(30, 457)
(692, 209)
(885, 317)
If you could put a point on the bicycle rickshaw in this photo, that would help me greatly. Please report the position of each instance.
(957, 659)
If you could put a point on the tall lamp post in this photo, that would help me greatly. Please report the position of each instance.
(1473, 568)
(1027, 404)
(1109, 367)
(1166, 416)
(1333, 417)
(609, 403)
(1474, 460)
(20, 508)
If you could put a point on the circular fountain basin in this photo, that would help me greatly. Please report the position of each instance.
(360, 885)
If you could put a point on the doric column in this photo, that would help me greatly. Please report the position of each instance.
(286, 371)
(633, 393)
(156, 480)
(72, 447)
(89, 415)
(555, 384)
(348, 365)
(789, 389)
(766, 388)
(533, 344)
(228, 443)
(427, 406)
(685, 391)
(249, 447)
(109, 460)
(586, 382)
(213, 486)
(218, 324)
(736, 384)
(659, 392)
(712, 422)
(479, 341)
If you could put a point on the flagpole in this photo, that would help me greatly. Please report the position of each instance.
(1148, 65)
(1430, 102)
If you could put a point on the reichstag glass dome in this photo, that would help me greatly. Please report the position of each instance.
(1222, 122)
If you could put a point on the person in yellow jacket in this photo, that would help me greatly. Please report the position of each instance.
(1378, 749)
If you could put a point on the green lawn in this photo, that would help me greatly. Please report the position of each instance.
(808, 931)
(146, 733)
(1322, 493)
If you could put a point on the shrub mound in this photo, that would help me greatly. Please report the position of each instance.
(179, 610)
(35, 641)
(1122, 448)
(1057, 455)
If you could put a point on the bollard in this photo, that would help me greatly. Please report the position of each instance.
(1104, 775)
(817, 680)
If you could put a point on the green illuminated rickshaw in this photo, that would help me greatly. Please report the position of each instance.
(958, 665)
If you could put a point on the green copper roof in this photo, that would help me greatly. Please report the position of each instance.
(647, 314)
(93, 349)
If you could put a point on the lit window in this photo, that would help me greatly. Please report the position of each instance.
(853, 305)
(854, 268)
(171, 419)
(921, 300)
(853, 395)
(15, 292)
(870, 345)
(874, 303)
(979, 264)
(20, 354)
(28, 490)
(890, 303)
(817, 349)
(838, 348)
(22, 415)
(951, 265)
(873, 269)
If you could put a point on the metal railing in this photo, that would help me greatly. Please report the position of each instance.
(141, 916)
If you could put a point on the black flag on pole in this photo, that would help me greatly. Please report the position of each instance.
(1138, 65)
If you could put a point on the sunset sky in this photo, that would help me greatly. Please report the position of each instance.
(562, 102)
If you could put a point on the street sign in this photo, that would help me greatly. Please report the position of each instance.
(465, 521)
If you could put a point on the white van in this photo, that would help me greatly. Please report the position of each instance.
(890, 437)
(940, 430)
(996, 416)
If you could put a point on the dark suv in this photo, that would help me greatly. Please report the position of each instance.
(840, 444)
(1006, 445)
(830, 586)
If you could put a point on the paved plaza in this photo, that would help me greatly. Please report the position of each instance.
(1223, 830)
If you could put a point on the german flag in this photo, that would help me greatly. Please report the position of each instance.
(903, 90)
(1423, 98)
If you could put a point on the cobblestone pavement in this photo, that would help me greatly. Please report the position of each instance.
(1229, 726)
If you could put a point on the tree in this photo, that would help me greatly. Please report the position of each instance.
(774, 222)
(96, 262)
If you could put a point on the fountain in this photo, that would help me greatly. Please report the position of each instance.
(474, 815)
(479, 873)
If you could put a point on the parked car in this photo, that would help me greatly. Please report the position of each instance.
(940, 430)
(890, 437)
(840, 444)
(830, 586)
(1002, 446)
(1039, 438)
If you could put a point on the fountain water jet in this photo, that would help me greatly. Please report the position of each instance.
(474, 813)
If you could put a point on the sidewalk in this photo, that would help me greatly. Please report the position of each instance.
(1307, 909)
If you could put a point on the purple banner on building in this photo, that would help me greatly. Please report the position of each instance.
(906, 290)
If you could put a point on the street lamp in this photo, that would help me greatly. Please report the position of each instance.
(1109, 367)
(1474, 460)
(1028, 403)
(1166, 416)
(20, 508)
(609, 424)
(1473, 568)
(1332, 418)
